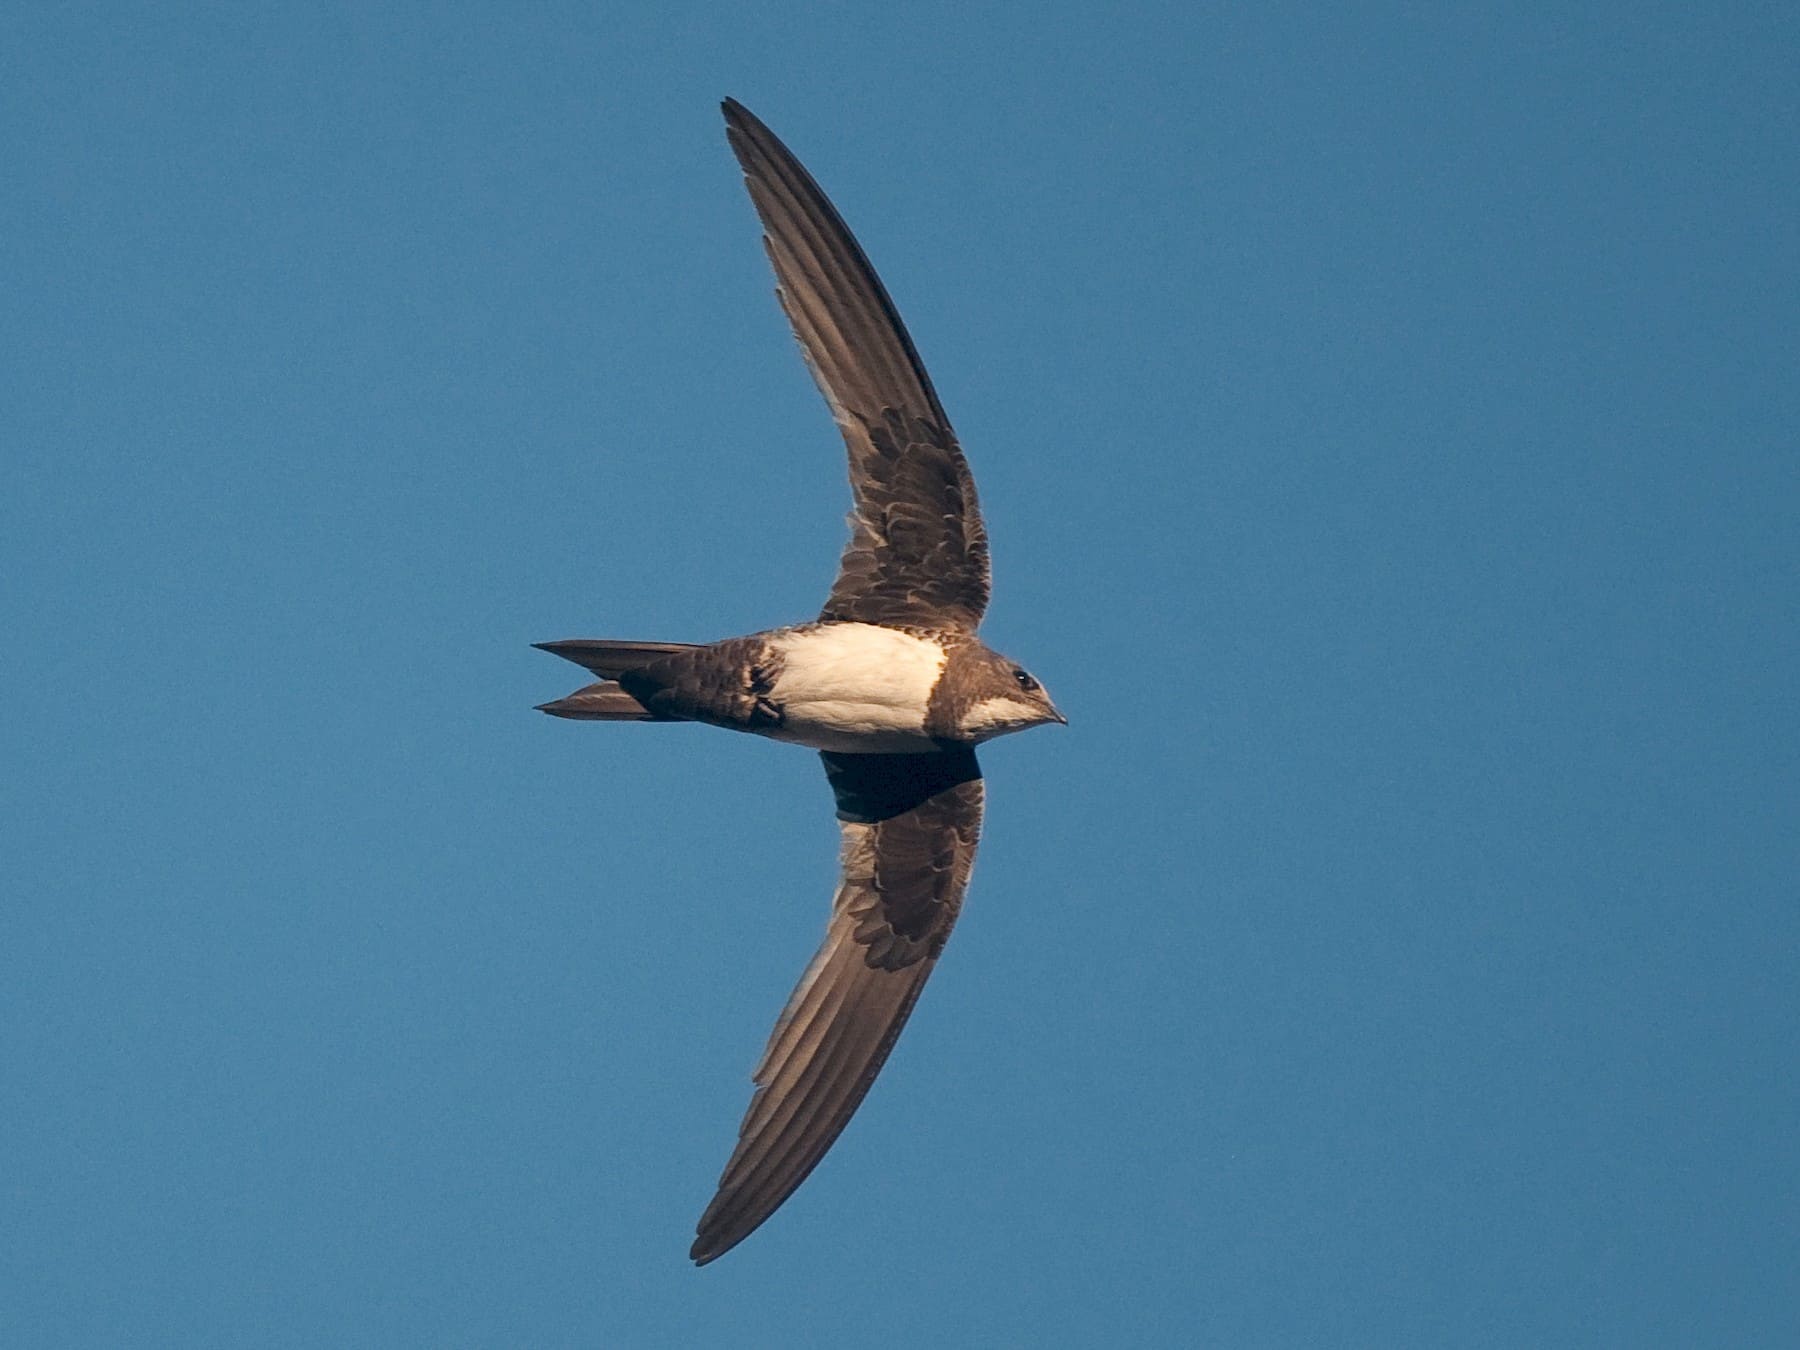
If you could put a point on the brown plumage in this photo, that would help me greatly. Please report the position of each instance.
(891, 685)
(918, 550)
(902, 887)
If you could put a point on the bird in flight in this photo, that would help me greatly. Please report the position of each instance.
(890, 685)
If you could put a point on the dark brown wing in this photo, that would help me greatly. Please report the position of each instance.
(909, 826)
(918, 551)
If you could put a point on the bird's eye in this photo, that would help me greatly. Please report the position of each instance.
(1026, 683)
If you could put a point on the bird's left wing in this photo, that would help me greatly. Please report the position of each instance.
(909, 824)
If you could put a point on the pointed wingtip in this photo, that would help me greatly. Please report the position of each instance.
(740, 121)
(709, 1247)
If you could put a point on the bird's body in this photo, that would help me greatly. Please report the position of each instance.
(855, 688)
(890, 685)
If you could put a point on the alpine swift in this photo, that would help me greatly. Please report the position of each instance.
(890, 685)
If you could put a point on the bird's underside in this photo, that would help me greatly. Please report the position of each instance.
(890, 685)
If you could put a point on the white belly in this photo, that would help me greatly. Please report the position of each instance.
(855, 687)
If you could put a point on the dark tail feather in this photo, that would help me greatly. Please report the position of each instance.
(602, 702)
(609, 659)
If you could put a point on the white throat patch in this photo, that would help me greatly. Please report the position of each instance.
(997, 716)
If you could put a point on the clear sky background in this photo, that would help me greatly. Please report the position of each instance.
(1387, 425)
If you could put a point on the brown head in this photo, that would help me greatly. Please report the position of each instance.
(980, 694)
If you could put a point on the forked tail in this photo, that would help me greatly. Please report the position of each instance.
(605, 701)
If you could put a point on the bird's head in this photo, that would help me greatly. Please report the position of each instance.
(990, 695)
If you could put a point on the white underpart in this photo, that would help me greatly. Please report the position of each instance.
(856, 687)
(997, 716)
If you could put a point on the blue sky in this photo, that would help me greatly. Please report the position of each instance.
(1387, 427)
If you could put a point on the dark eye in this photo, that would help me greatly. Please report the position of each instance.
(1026, 683)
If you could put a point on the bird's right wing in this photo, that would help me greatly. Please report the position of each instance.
(918, 551)
(910, 824)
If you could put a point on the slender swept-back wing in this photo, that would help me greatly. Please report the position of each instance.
(910, 824)
(918, 552)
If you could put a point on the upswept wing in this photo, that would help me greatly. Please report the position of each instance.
(910, 824)
(918, 551)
